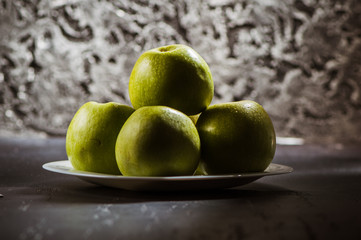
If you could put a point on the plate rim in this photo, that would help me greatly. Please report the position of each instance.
(69, 170)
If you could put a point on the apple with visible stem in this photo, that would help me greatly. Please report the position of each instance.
(158, 141)
(91, 136)
(175, 76)
(236, 137)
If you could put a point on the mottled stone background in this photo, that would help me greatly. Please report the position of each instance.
(301, 59)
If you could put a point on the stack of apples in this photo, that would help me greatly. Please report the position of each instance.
(171, 128)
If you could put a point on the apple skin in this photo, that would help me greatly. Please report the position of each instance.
(158, 141)
(175, 76)
(91, 136)
(236, 137)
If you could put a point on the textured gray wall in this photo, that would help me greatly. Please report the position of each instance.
(300, 59)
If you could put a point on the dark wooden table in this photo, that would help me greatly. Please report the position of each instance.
(321, 199)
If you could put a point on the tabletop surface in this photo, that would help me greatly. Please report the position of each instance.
(321, 199)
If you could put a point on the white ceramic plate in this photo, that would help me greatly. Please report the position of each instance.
(177, 183)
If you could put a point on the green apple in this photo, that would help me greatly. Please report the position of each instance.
(194, 118)
(200, 171)
(158, 141)
(91, 136)
(236, 137)
(175, 76)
